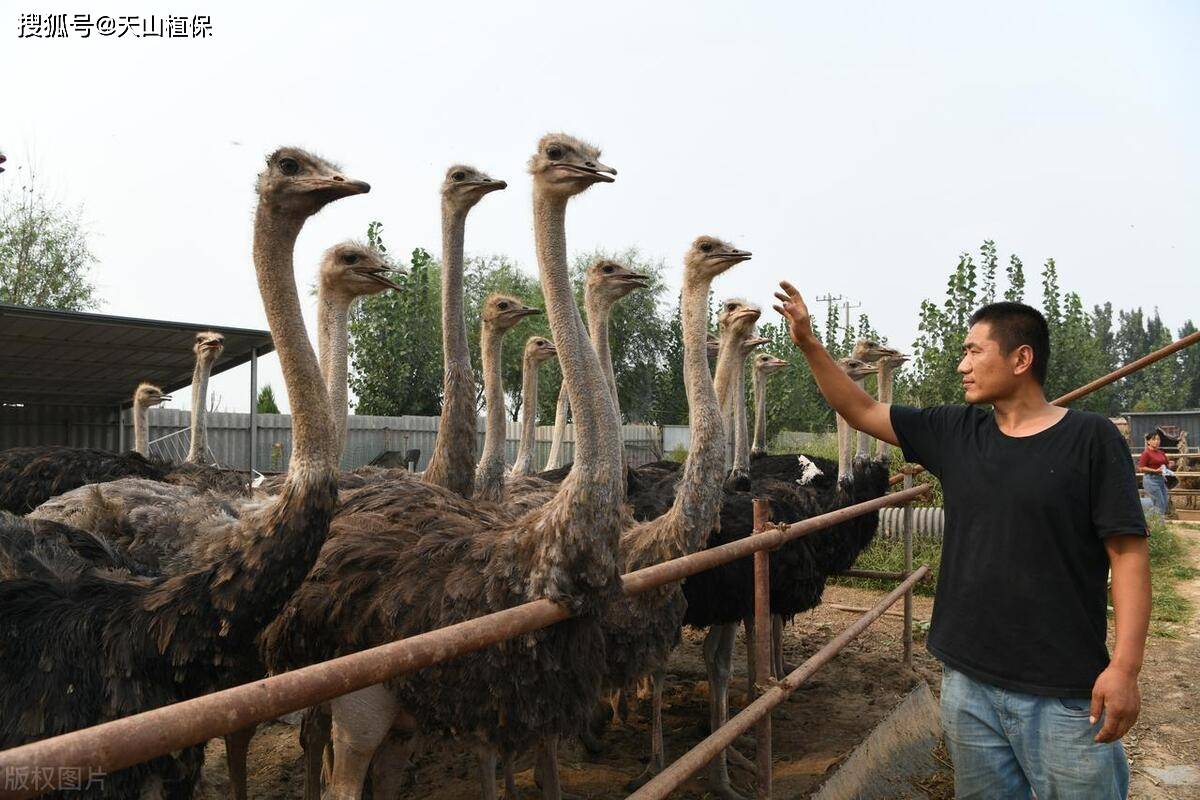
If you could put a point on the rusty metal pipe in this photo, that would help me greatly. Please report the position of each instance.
(908, 563)
(874, 574)
(762, 648)
(1100, 383)
(695, 759)
(114, 745)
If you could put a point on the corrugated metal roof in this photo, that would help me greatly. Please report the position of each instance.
(76, 358)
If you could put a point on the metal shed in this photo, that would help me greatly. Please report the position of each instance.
(66, 376)
(1142, 422)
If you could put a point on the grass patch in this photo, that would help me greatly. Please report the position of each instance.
(1168, 566)
(888, 555)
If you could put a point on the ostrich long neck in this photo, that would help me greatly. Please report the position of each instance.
(741, 430)
(524, 464)
(573, 537)
(454, 449)
(141, 427)
(760, 413)
(554, 459)
(884, 379)
(333, 313)
(313, 442)
(599, 314)
(685, 527)
(198, 451)
(845, 435)
(489, 477)
(597, 431)
(864, 441)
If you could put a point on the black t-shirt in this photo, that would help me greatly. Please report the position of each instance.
(1021, 593)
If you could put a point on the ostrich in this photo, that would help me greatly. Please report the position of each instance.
(409, 568)
(765, 365)
(737, 428)
(128, 644)
(870, 351)
(145, 396)
(452, 462)
(640, 632)
(500, 315)
(348, 271)
(857, 369)
(605, 282)
(538, 350)
(887, 364)
(208, 348)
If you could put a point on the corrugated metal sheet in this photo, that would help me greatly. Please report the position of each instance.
(1141, 423)
(74, 426)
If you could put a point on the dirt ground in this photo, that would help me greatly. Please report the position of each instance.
(813, 732)
(1167, 733)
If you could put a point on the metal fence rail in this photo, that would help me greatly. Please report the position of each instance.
(120, 743)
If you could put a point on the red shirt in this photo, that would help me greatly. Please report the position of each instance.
(1152, 458)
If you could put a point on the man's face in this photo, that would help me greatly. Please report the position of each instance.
(987, 373)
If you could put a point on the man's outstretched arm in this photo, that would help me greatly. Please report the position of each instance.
(857, 407)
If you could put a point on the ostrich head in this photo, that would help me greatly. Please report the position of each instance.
(608, 281)
(708, 257)
(892, 359)
(870, 351)
(354, 269)
(737, 318)
(147, 394)
(767, 364)
(501, 312)
(208, 346)
(539, 350)
(464, 186)
(565, 166)
(299, 183)
(2, 160)
(856, 369)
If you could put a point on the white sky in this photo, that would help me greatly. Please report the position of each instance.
(855, 148)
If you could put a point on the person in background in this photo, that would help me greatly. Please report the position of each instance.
(1153, 466)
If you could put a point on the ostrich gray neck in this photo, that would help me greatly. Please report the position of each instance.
(333, 312)
(741, 430)
(563, 407)
(864, 441)
(313, 454)
(699, 493)
(569, 544)
(599, 314)
(597, 430)
(198, 450)
(844, 438)
(760, 413)
(489, 476)
(141, 427)
(885, 378)
(524, 463)
(454, 449)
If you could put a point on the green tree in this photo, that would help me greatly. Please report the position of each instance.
(987, 252)
(44, 253)
(1015, 273)
(266, 401)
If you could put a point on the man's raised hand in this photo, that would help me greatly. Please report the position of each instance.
(791, 306)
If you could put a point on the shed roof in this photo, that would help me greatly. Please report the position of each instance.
(77, 358)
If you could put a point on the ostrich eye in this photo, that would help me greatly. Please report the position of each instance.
(458, 176)
(608, 269)
(289, 166)
(503, 306)
(706, 247)
(554, 152)
(350, 258)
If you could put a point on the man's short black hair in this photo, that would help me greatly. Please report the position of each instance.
(1016, 324)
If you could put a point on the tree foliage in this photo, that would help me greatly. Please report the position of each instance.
(44, 253)
(266, 401)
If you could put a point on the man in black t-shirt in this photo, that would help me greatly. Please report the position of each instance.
(1040, 504)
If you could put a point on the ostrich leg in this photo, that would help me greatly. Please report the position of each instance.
(718, 659)
(657, 753)
(486, 757)
(237, 748)
(361, 721)
(315, 733)
(778, 667)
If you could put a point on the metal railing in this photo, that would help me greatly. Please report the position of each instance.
(120, 743)
(174, 448)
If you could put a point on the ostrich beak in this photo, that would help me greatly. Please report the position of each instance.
(488, 184)
(735, 256)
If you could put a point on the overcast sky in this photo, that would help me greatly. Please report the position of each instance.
(855, 148)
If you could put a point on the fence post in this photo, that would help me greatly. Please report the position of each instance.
(762, 649)
(908, 596)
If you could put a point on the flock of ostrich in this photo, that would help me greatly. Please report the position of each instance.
(127, 583)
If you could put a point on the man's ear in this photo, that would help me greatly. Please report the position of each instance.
(1024, 359)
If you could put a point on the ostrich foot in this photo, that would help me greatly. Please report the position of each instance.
(724, 789)
(738, 760)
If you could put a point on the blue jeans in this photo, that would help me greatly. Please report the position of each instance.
(1007, 745)
(1156, 490)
